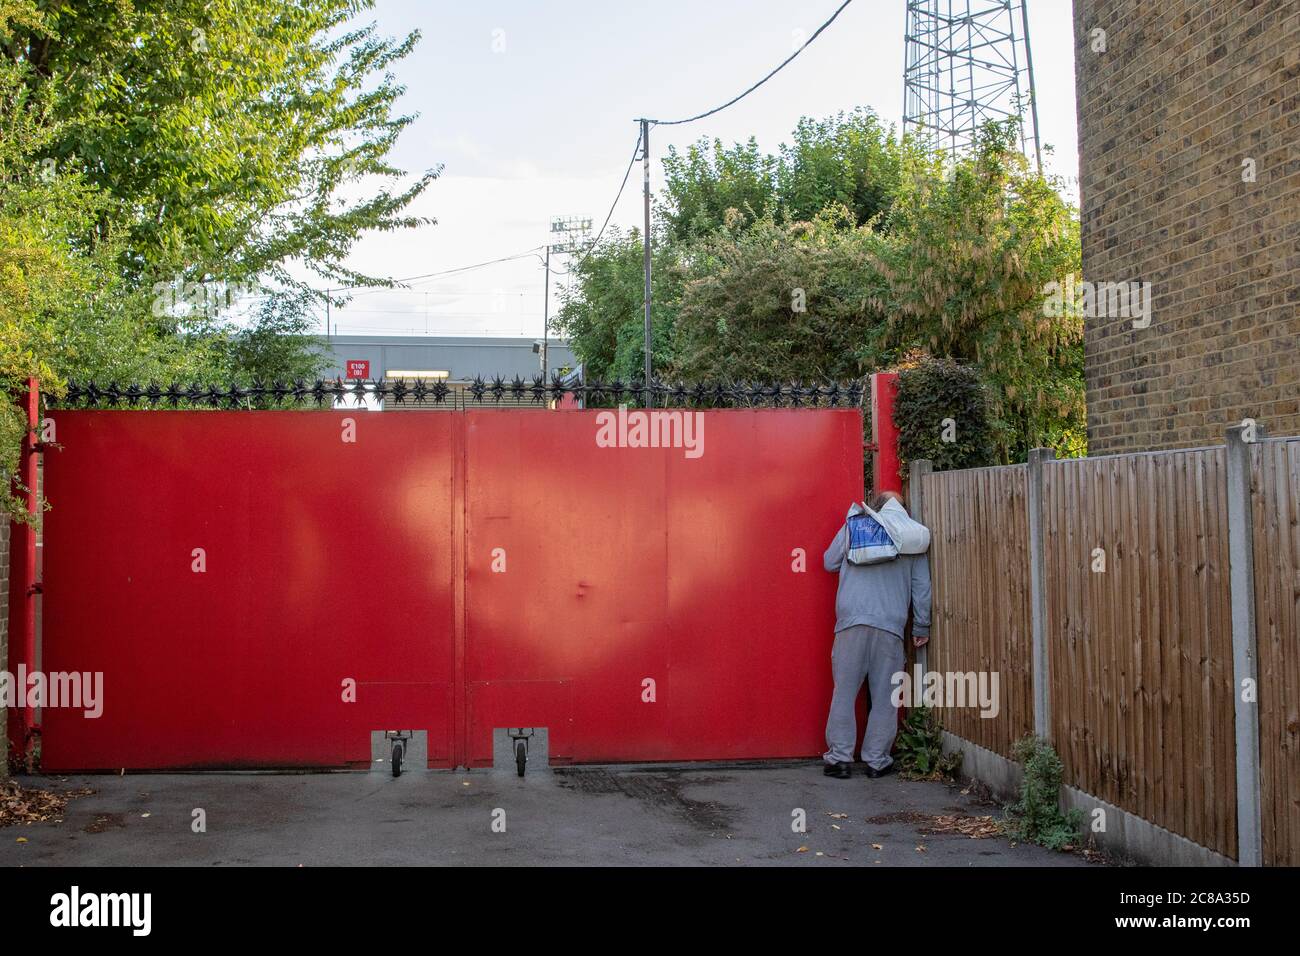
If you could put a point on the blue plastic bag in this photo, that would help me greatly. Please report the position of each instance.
(869, 542)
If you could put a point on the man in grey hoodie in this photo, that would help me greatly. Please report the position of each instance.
(871, 613)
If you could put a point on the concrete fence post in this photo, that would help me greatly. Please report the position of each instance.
(1038, 591)
(917, 471)
(1241, 576)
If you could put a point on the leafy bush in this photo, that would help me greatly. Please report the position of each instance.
(919, 747)
(847, 252)
(942, 413)
(974, 251)
(603, 317)
(1037, 816)
(851, 160)
(780, 302)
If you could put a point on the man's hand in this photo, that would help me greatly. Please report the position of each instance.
(919, 640)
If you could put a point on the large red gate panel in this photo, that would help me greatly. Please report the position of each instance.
(750, 635)
(326, 560)
(591, 571)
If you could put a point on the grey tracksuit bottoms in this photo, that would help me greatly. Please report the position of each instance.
(861, 652)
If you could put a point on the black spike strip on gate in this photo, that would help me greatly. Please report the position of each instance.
(402, 392)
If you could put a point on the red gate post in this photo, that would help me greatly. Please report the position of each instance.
(884, 434)
(23, 587)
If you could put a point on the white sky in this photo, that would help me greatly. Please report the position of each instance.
(545, 127)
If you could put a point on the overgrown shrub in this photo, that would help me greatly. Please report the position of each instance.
(1037, 816)
(781, 302)
(919, 747)
(942, 413)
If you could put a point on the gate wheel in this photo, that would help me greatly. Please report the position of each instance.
(521, 755)
(397, 759)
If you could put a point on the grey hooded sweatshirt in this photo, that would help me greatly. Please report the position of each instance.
(878, 595)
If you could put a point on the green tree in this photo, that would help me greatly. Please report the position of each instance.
(850, 160)
(704, 184)
(903, 254)
(603, 316)
(840, 173)
(278, 345)
(226, 133)
(55, 288)
(69, 309)
(845, 160)
(974, 249)
(782, 302)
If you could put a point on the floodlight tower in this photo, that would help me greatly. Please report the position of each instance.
(967, 62)
(568, 235)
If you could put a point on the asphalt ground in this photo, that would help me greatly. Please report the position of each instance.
(656, 815)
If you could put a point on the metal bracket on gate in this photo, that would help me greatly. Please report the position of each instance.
(520, 747)
(400, 749)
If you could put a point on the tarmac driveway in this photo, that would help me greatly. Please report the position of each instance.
(713, 814)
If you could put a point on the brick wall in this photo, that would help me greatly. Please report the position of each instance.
(1183, 93)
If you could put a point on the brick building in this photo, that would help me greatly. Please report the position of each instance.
(1189, 167)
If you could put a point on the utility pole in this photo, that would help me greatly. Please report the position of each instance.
(645, 156)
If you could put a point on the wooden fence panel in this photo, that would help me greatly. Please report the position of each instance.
(1275, 489)
(1141, 652)
(979, 560)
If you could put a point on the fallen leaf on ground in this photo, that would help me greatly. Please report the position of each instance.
(877, 846)
(802, 849)
(921, 848)
(104, 822)
(33, 804)
(977, 828)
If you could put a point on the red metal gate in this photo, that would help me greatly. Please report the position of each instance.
(230, 572)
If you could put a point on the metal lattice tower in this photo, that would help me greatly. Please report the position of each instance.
(968, 62)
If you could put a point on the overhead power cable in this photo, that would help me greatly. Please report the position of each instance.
(476, 265)
(368, 290)
(371, 289)
(445, 272)
(610, 215)
(737, 99)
